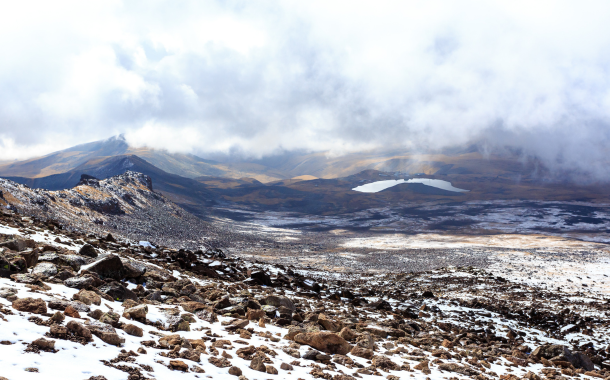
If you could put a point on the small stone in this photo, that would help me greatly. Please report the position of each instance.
(286, 367)
(133, 330)
(235, 371)
(44, 343)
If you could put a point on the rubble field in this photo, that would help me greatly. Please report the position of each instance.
(78, 304)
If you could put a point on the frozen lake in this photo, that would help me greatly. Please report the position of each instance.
(375, 187)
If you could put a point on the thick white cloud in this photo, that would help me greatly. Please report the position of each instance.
(260, 77)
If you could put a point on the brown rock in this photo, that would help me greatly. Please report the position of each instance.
(178, 365)
(133, 330)
(329, 324)
(191, 355)
(447, 343)
(44, 343)
(111, 338)
(58, 317)
(594, 374)
(219, 362)
(79, 329)
(255, 314)
(136, 312)
(423, 366)
(235, 371)
(324, 341)
(362, 352)
(348, 334)
(30, 305)
(71, 312)
(58, 331)
(366, 340)
(191, 307)
(88, 297)
(237, 324)
(257, 364)
(385, 363)
(286, 367)
(343, 360)
(271, 370)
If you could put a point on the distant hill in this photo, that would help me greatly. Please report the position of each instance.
(185, 165)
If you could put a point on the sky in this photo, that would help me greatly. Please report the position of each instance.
(260, 78)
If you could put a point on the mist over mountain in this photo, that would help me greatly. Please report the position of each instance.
(231, 79)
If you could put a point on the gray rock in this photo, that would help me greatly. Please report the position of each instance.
(278, 301)
(78, 282)
(45, 270)
(109, 267)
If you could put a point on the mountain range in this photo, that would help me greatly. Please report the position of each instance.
(312, 183)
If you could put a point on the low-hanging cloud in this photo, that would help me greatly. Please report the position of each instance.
(263, 77)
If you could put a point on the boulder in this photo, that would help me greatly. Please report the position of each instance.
(235, 371)
(79, 282)
(117, 291)
(18, 244)
(105, 332)
(192, 306)
(110, 266)
(30, 257)
(136, 312)
(30, 305)
(88, 297)
(279, 301)
(257, 364)
(44, 343)
(133, 330)
(178, 365)
(133, 269)
(329, 324)
(79, 329)
(362, 352)
(255, 314)
(261, 278)
(348, 334)
(385, 363)
(88, 250)
(328, 342)
(45, 270)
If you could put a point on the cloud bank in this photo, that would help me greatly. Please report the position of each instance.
(268, 76)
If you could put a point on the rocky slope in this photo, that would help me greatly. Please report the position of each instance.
(124, 204)
(81, 305)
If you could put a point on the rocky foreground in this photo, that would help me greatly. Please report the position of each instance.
(77, 305)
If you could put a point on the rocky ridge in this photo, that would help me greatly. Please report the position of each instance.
(125, 204)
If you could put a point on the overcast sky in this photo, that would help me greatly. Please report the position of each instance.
(258, 77)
